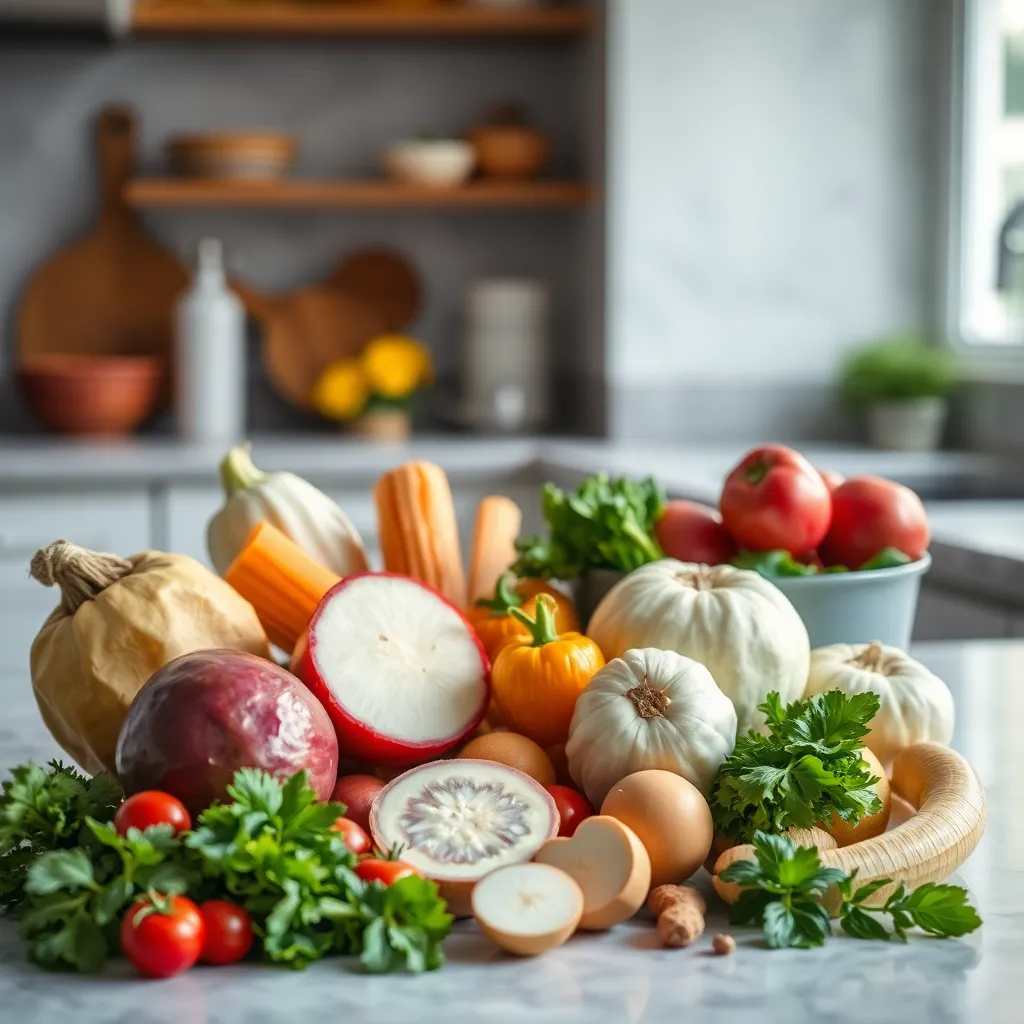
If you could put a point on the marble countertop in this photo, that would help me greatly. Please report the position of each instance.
(619, 976)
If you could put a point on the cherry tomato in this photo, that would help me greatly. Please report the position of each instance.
(151, 807)
(774, 499)
(572, 806)
(352, 835)
(165, 938)
(693, 533)
(870, 514)
(228, 932)
(832, 479)
(376, 869)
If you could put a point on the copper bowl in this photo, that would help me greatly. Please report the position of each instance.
(509, 152)
(91, 395)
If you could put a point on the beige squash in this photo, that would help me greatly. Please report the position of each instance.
(120, 620)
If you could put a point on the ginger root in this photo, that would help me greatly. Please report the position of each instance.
(680, 912)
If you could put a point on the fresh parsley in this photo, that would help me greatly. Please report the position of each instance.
(805, 770)
(783, 886)
(271, 849)
(43, 810)
(606, 524)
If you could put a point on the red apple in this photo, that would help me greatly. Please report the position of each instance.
(356, 792)
(693, 533)
(398, 668)
(205, 715)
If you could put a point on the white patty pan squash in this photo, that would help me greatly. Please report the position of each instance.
(297, 508)
(733, 621)
(649, 709)
(915, 704)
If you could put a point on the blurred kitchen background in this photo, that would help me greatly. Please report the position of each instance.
(524, 239)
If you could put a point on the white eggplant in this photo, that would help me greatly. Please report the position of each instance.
(297, 508)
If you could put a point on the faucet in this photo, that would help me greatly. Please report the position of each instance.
(1011, 249)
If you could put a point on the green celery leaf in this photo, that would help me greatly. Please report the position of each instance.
(941, 910)
(861, 925)
(780, 927)
(887, 558)
(811, 922)
(60, 869)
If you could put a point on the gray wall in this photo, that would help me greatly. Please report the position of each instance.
(345, 100)
(774, 185)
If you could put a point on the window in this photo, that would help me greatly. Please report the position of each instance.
(986, 282)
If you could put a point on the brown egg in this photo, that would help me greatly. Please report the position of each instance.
(514, 750)
(873, 824)
(671, 818)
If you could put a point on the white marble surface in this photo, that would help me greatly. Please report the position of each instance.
(619, 976)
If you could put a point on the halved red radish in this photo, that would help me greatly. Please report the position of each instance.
(398, 668)
(461, 819)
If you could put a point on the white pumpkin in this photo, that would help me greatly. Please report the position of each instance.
(915, 704)
(649, 709)
(733, 621)
(297, 508)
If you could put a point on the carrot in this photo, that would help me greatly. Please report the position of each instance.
(280, 581)
(498, 520)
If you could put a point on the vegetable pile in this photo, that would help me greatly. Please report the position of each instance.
(499, 761)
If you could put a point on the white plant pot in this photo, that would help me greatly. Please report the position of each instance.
(909, 425)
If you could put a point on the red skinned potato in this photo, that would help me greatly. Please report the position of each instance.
(205, 715)
(774, 499)
(693, 532)
(398, 668)
(356, 792)
(869, 514)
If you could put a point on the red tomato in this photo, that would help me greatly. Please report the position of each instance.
(869, 514)
(356, 792)
(376, 869)
(352, 835)
(151, 807)
(693, 533)
(164, 940)
(832, 479)
(572, 806)
(775, 499)
(228, 932)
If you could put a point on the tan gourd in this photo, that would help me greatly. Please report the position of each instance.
(120, 620)
(930, 846)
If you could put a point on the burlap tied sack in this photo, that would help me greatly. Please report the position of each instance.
(120, 620)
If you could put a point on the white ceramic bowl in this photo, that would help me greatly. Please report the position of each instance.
(443, 163)
(858, 607)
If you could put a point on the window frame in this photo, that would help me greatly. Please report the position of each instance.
(986, 340)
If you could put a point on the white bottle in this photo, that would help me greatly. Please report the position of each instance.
(210, 354)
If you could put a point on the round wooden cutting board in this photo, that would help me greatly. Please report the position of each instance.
(385, 280)
(114, 291)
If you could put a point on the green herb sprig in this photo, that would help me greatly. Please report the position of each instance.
(606, 524)
(807, 769)
(782, 889)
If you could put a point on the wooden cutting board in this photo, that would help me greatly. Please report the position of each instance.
(386, 280)
(306, 331)
(114, 291)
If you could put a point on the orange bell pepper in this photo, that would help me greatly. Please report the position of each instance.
(538, 678)
(494, 622)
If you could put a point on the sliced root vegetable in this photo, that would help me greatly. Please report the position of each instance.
(528, 909)
(928, 847)
(611, 866)
(399, 669)
(459, 820)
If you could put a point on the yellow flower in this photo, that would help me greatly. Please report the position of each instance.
(395, 365)
(341, 390)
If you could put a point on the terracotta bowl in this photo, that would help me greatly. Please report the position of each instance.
(91, 395)
(509, 152)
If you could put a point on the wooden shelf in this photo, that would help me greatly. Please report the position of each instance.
(147, 193)
(180, 17)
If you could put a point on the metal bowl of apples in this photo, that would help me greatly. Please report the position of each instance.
(849, 554)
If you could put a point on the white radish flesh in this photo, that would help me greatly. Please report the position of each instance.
(610, 865)
(527, 909)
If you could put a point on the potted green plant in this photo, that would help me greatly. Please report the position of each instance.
(903, 384)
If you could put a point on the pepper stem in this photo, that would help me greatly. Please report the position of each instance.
(237, 470)
(542, 628)
(505, 597)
